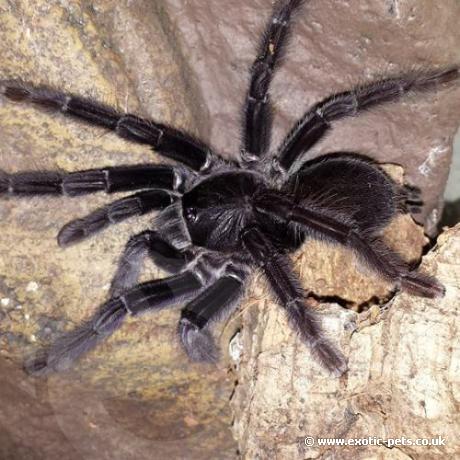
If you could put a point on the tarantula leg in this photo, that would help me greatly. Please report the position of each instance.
(411, 199)
(109, 180)
(166, 140)
(257, 107)
(138, 247)
(278, 270)
(115, 212)
(323, 225)
(318, 120)
(68, 348)
(152, 295)
(160, 293)
(214, 302)
(388, 264)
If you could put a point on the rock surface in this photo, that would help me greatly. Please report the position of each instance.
(183, 62)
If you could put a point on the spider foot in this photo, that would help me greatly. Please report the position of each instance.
(37, 364)
(198, 343)
(46, 362)
(4, 182)
(60, 355)
(330, 358)
(422, 285)
(308, 325)
(411, 199)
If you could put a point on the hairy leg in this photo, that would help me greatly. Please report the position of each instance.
(215, 302)
(142, 298)
(257, 107)
(108, 180)
(147, 243)
(318, 120)
(166, 140)
(285, 285)
(337, 228)
(134, 205)
(411, 199)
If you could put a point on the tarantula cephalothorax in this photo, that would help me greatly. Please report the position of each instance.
(218, 219)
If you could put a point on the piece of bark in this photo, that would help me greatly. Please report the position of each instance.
(403, 377)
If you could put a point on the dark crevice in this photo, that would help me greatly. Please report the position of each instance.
(235, 384)
(350, 305)
(451, 214)
(375, 300)
(333, 299)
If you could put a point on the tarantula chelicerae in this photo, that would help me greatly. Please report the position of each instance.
(221, 219)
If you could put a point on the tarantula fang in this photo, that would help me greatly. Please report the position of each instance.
(218, 220)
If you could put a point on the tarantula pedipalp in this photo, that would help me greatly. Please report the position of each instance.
(218, 219)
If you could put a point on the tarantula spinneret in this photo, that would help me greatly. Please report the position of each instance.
(219, 220)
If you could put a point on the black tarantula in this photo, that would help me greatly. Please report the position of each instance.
(219, 219)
